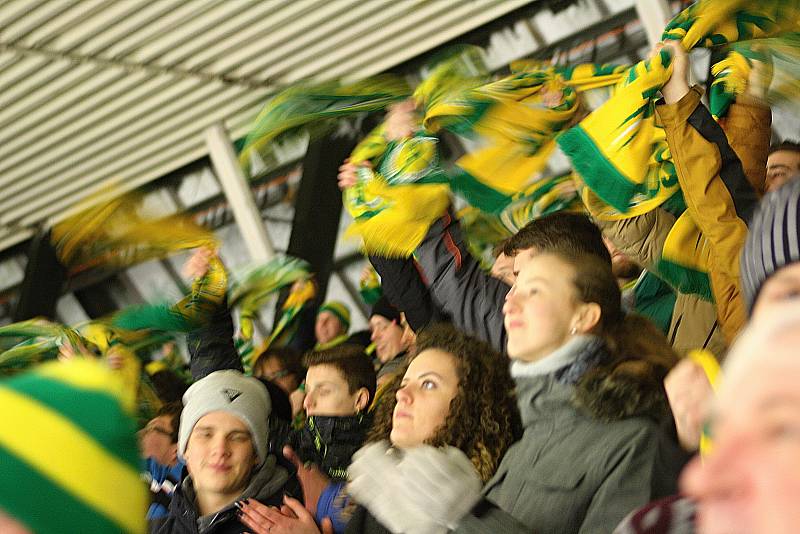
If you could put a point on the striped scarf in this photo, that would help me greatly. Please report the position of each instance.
(313, 109)
(117, 233)
(192, 311)
(484, 230)
(253, 287)
(517, 118)
(39, 340)
(621, 153)
(619, 150)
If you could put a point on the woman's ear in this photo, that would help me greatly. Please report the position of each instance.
(362, 400)
(587, 317)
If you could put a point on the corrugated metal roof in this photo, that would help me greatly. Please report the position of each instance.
(101, 92)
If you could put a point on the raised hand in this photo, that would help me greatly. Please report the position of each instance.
(348, 173)
(197, 264)
(678, 85)
(312, 480)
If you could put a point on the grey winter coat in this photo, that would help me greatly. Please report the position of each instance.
(593, 450)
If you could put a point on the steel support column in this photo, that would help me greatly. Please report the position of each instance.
(654, 15)
(237, 191)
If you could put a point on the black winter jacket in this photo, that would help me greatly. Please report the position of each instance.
(460, 288)
(267, 486)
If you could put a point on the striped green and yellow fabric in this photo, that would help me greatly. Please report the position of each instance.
(313, 109)
(118, 233)
(253, 287)
(286, 327)
(484, 230)
(619, 150)
(369, 286)
(39, 340)
(192, 311)
(394, 205)
(516, 118)
(68, 455)
(779, 79)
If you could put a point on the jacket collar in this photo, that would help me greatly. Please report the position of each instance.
(571, 359)
(581, 375)
(267, 481)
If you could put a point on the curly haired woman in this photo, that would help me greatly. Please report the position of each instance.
(589, 379)
(455, 396)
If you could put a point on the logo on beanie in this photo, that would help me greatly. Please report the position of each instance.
(232, 394)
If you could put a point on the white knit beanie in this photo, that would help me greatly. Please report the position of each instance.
(232, 392)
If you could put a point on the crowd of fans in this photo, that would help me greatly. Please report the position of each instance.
(566, 390)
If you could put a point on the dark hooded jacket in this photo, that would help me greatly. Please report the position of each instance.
(268, 486)
(594, 446)
(459, 287)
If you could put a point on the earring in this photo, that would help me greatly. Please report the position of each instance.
(573, 331)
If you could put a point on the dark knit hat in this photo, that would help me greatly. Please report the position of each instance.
(385, 309)
(773, 240)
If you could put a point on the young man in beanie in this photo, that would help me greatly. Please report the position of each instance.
(223, 440)
(332, 324)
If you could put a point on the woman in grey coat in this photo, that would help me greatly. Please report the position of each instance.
(589, 387)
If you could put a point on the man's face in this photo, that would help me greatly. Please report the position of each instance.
(328, 394)
(155, 440)
(781, 165)
(751, 480)
(387, 336)
(327, 327)
(271, 369)
(220, 455)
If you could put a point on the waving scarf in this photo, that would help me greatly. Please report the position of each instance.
(314, 108)
(41, 340)
(619, 150)
(516, 118)
(484, 230)
(116, 233)
(621, 153)
(253, 287)
(191, 312)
